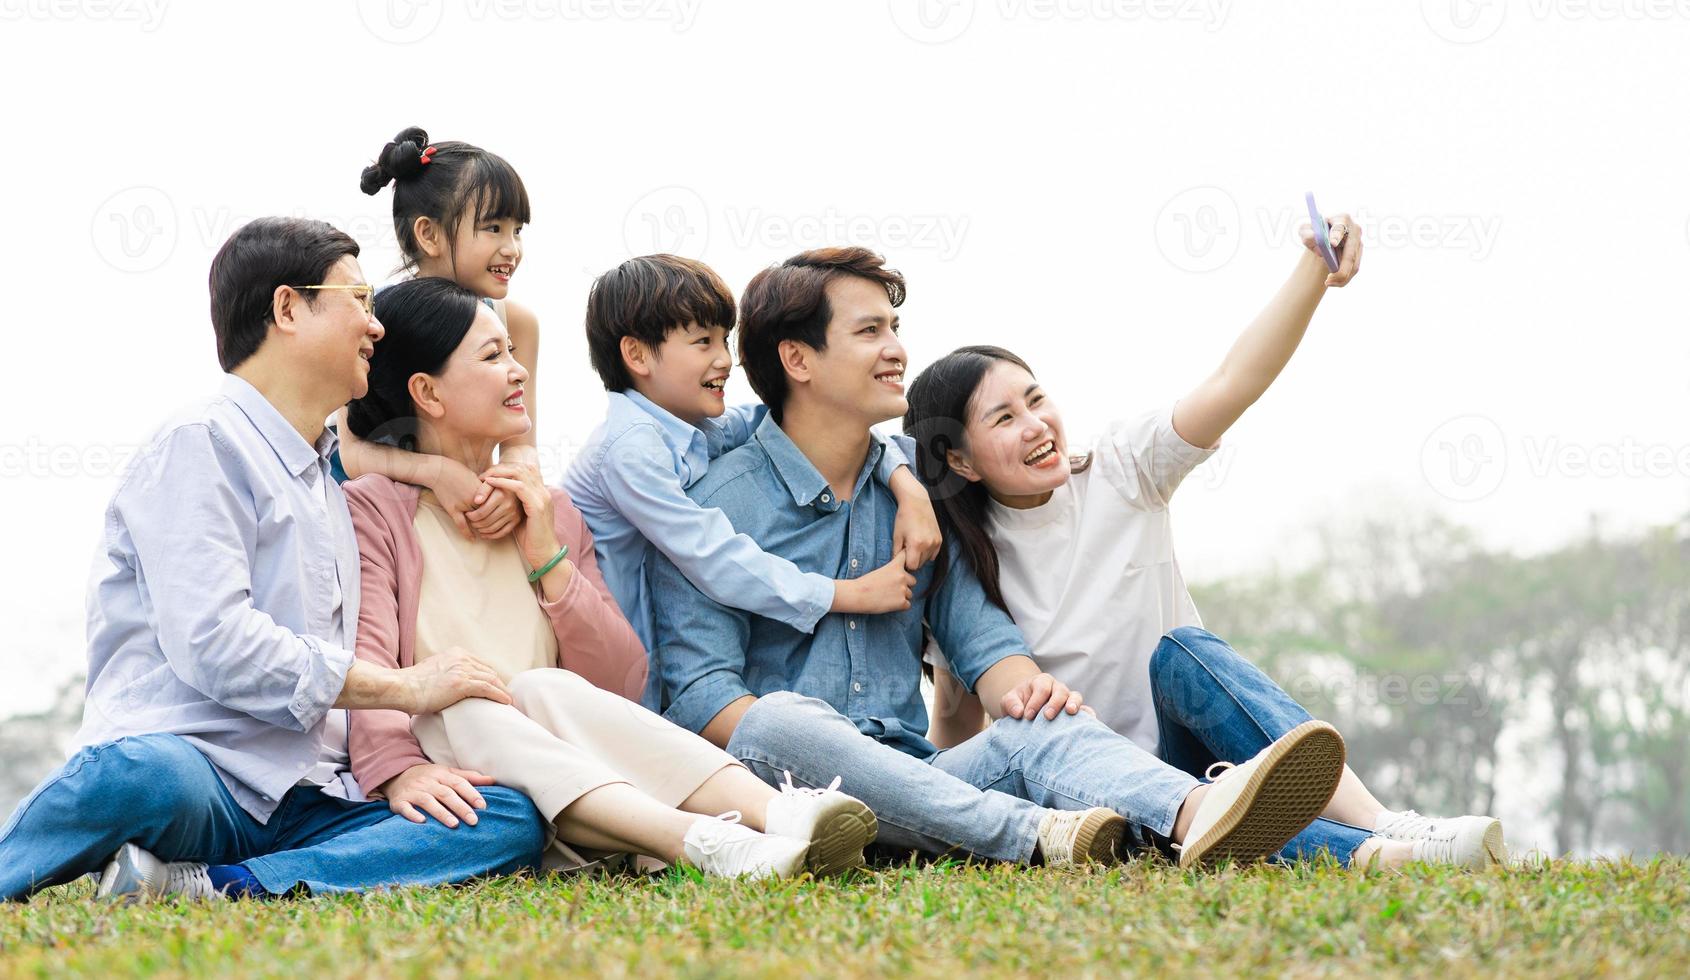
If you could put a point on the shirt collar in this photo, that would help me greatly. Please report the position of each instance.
(291, 448)
(683, 437)
(801, 477)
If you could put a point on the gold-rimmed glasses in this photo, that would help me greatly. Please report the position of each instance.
(363, 292)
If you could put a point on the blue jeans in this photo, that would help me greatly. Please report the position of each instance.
(159, 792)
(985, 796)
(1213, 705)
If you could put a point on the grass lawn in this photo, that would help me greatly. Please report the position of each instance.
(1626, 919)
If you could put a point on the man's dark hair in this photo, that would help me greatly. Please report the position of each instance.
(645, 298)
(789, 302)
(262, 255)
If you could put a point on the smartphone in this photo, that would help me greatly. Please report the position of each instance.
(1321, 240)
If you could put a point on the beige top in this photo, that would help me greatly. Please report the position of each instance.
(475, 595)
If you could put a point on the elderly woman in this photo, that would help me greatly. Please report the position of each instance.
(532, 609)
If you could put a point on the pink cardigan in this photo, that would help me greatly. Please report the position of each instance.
(593, 637)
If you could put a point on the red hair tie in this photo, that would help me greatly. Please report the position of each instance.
(427, 156)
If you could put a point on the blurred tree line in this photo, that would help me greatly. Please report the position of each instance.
(1443, 662)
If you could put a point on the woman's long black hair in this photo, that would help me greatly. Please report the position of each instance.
(425, 319)
(939, 401)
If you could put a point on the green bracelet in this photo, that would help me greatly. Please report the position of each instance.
(540, 573)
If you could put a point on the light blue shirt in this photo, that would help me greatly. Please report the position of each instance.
(868, 667)
(224, 599)
(630, 483)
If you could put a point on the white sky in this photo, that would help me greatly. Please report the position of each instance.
(1109, 188)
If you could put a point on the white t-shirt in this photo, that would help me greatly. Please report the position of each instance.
(1090, 575)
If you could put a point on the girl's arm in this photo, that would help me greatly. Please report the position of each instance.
(725, 565)
(459, 490)
(1267, 344)
(524, 329)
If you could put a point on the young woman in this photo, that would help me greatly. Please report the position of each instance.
(1079, 550)
(458, 212)
(532, 608)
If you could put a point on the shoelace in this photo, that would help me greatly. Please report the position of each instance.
(189, 879)
(1408, 823)
(712, 836)
(790, 790)
(1224, 767)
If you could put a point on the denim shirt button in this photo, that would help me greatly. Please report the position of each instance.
(851, 623)
(827, 497)
(857, 687)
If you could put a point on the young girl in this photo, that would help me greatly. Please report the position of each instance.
(458, 211)
(1080, 552)
(604, 772)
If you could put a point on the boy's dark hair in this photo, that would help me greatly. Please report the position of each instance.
(645, 298)
(443, 186)
(262, 255)
(789, 302)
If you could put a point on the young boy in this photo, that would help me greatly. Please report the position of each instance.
(657, 330)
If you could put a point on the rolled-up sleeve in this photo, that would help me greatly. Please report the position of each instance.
(898, 453)
(188, 515)
(1145, 458)
(973, 632)
(726, 565)
(699, 645)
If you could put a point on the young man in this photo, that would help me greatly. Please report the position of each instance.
(221, 625)
(657, 333)
(818, 338)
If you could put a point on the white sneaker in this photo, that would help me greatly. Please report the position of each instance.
(1471, 842)
(135, 875)
(1071, 837)
(1253, 809)
(834, 826)
(723, 848)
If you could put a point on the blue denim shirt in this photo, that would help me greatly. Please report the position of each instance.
(630, 484)
(867, 667)
(224, 599)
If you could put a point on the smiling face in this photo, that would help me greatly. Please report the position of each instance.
(1013, 438)
(686, 375)
(860, 373)
(478, 395)
(335, 334)
(482, 258)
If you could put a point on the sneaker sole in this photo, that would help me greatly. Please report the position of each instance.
(123, 880)
(1494, 848)
(1099, 837)
(839, 838)
(1285, 794)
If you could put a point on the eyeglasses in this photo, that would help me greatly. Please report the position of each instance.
(363, 292)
